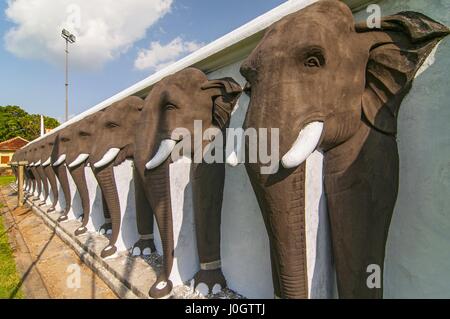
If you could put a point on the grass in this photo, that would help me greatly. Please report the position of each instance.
(6, 180)
(9, 278)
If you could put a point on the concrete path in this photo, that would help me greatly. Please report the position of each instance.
(49, 268)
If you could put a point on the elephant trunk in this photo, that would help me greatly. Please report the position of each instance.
(207, 209)
(61, 173)
(281, 198)
(106, 180)
(30, 189)
(207, 193)
(157, 183)
(79, 178)
(41, 173)
(37, 182)
(27, 180)
(144, 212)
(50, 173)
(33, 183)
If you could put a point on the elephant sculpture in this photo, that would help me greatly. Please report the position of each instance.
(173, 103)
(73, 141)
(27, 174)
(33, 156)
(46, 148)
(57, 159)
(115, 135)
(37, 155)
(32, 184)
(334, 86)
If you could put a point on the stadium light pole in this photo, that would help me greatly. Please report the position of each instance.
(70, 38)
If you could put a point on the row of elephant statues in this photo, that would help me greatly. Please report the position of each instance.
(327, 83)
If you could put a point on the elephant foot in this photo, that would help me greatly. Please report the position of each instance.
(63, 218)
(109, 251)
(162, 288)
(51, 209)
(207, 282)
(106, 228)
(79, 231)
(144, 246)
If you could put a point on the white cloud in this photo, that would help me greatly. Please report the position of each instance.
(105, 29)
(159, 56)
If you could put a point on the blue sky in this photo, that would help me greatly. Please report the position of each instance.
(32, 69)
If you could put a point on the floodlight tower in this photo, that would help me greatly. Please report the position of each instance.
(70, 38)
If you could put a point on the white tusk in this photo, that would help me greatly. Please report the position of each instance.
(37, 163)
(32, 164)
(60, 160)
(47, 162)
(306, 143)
(165, 148)
(80, 159)
(109, 156)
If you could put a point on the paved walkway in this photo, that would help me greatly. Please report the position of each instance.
(49, 267)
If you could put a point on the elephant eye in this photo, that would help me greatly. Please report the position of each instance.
(170, 106)
(65, 139)
(111, 125)
(313, 62)
(314, 58)
(84, 134)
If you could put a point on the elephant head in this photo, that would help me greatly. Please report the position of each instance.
(177, 102)
(46, 151)
(115, 129)
(331, 85)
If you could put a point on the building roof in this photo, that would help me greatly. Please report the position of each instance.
(13, 144)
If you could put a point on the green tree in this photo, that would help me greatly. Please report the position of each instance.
(14, 121)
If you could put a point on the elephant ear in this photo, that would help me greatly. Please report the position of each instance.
(225, 94)
(397, 50)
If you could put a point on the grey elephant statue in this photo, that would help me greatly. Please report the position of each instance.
(46, 148)
(333, 86)
(176, 102)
